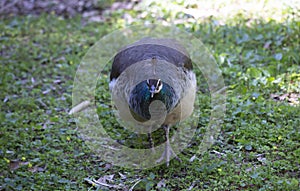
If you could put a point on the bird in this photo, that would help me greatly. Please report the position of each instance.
(153, 86)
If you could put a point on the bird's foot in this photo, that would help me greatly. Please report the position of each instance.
(167, 154)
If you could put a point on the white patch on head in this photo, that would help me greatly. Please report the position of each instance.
(154, 89)
(159, 85)
(112, 84)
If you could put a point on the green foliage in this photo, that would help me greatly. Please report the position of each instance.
(258, 147)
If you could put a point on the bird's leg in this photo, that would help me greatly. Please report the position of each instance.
(168, 150)
(151, 140)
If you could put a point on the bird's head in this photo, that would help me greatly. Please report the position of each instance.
(155, 86)
(147, 91)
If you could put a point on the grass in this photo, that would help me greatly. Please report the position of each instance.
(258, 146)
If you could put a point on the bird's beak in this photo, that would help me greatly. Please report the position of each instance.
(152, 91)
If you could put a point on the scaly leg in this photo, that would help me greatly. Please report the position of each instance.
(168, 152)
(151, 142)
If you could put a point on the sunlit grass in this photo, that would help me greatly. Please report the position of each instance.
(222, 10)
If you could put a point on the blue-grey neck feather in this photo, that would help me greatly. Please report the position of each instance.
(140, 100)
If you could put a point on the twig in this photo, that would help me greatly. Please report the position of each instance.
(107, 185)
(79, 107)
(132, 187)
(95, 182)
(219, 153)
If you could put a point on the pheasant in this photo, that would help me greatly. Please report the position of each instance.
(153, 86)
